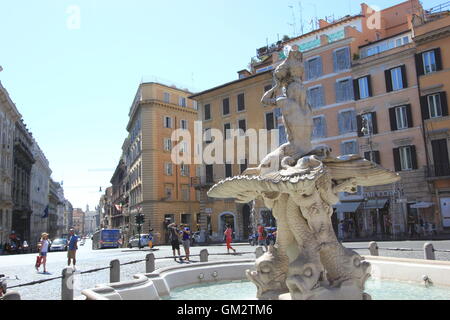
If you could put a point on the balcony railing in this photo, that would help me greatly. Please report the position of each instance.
(439, 171)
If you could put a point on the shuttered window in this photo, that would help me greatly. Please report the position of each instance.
(242, 125)
(434, 105)
(373, 156)
(347, 121)
(167, 122)
(396, 79)
(440, 157)
(184, 170)
(167, 144)
(405, 158)
(367, 124)
(344, 90)
(209, 173)
(362, 88)
(429, 61)
(270, 121)
(401, 117)
(313, 68)
(316, 97)
(341, 59)
(168, 168)
(320, 128)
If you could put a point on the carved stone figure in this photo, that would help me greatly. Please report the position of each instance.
(300, 184)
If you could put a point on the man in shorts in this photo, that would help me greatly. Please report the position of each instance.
(174, 240)
(73, 246)
(186, 236)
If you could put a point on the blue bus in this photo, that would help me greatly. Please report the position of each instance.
(106, 238)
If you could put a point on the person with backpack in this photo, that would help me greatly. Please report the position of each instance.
(174, 240)
(262, 236)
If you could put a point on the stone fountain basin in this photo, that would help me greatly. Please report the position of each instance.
(153, 286)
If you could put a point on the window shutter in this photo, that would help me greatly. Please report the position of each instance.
(374, 122)
(393, 119)
(404, 78)
(359, 125)
(369, 85)
(397, 164)
(367, 155)
(338, 92)
(307, 70)
(424, 107)
(335, 63)
(413, 157)
(376, 155)
(388, 78)
(409, 116)
(341, 123)
(438, 57)
(419, 64)
(356, 89)
(321, 97)
(319, 69)
(444, 105)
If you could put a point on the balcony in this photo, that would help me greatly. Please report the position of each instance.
(437, 172)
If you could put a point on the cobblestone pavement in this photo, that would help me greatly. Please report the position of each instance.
(87, 259)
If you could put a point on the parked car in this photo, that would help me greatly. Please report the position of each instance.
(59, 244)
(145, 238)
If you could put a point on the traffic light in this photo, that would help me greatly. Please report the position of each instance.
(139, 218)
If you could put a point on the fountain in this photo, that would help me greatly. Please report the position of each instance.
(300, 184)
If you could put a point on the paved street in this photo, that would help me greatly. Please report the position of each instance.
(23, 265)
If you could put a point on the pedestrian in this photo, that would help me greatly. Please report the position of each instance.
(186, 238)
(43, 246)
(262, 236)
(174, 240)
(73, 247)
(228, 238)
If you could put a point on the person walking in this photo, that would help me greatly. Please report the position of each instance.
(228, 238)
(174, 240)
(73, 247)
(262, 236)
(186, 238)
(44, 245)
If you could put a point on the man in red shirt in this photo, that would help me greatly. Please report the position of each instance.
(262, 236)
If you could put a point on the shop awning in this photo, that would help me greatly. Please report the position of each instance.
(375, 204)
(347, 206)
(422, 204)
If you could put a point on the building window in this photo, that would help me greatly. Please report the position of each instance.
(227, 130)
(320, 127)
(182, 101)
(167, 144)
(228, 170)
(243, 166)
(168, 168)
(185, 193)
(396, 79)
(207, 135)
(183, 146)
(207, 112)
(440, 157)
(226, 106)
(341, 59)
(362, 88)
(209, 173)
(349, 147)
(184, 170)
(242, 126)
(167, 122)
(401, 117)
(434, 105)
(195, 105)
(429, 62)
(344, 90)
(240, 102)
(168, 192)
(373, 156)
(313, 68)
(183, 124)
(166, 97)
(347, 121)
(316, 97)
(270, 121)
(367, 124)
(405, 158)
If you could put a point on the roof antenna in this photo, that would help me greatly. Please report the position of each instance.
(293, 20)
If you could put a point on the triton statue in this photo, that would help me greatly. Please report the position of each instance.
(301, 184)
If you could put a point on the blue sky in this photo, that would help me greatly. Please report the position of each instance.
(74, 84)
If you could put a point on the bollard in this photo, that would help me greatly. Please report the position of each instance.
(259, 252)
(428, 251)
(67, 284)
(149, 263)
(204, 255)
(114, 271)
(373, 248)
